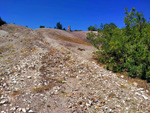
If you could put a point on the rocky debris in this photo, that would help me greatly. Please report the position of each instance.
(53, 79)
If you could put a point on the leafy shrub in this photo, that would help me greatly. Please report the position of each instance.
(126, 49)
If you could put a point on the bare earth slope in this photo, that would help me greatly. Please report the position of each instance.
(50, 71)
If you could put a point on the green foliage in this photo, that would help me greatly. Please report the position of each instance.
(42, 26)
(58, 25)
(93, 28)
(126, 49)
(2, 21)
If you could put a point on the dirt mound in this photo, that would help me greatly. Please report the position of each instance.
(41, 72)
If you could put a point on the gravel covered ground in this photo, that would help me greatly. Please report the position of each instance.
(41, 73)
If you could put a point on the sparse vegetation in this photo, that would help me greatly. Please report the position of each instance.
(18, 92)
(125, 49)
(41, 89)
(75, 40)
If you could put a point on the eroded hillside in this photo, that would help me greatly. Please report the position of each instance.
(52, 71)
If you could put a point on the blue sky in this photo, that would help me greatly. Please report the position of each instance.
(80, 14)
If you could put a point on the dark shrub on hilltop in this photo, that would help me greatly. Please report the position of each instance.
(2, 21)
(42, 26)
(126, 49)
(58, 25)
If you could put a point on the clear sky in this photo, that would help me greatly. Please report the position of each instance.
(80, 14)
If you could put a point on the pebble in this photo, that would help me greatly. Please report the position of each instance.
(145, 97)
(4, 101)
(29, 77)
(13, 108)
(122, 76)
(135, 84)
(30, 111)
(24, 110)
(137, 93)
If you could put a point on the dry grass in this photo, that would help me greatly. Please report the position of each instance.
(74, 40)
(123, 86)
(6, 48)
(52, 52)
(8, 60)
(14, 93)
(43, 88)
(133, 102)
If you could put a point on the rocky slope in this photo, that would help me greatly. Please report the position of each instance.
(52, 71)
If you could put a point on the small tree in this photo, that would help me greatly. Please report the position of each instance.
(2, 21)
(58, 25)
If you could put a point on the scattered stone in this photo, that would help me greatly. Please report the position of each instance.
(19, 109)
(135, 84)
(137, 93)
(13, 108)
(145, 97)
(29, 77)
(122, 76)
(3, 101)
(30, 111)
(24, 110)
(140, 89)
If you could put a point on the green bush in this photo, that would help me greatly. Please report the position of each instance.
(2, 21)
(126, 49)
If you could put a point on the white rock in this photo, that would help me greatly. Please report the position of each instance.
(122, 76)
(137, 93)
(127, 108)
(135, 84)
(30, 111)
(110, 110)
(29, 77)
(139, 89)
(14, 82)
(118, 106)
(4, 101)
(4, 84)
(24, 110)
(19, 109)
(87, 104)
(144, 97)
(90, 102)
(13, 108)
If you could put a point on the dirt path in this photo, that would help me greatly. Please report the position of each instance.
(44, 72)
